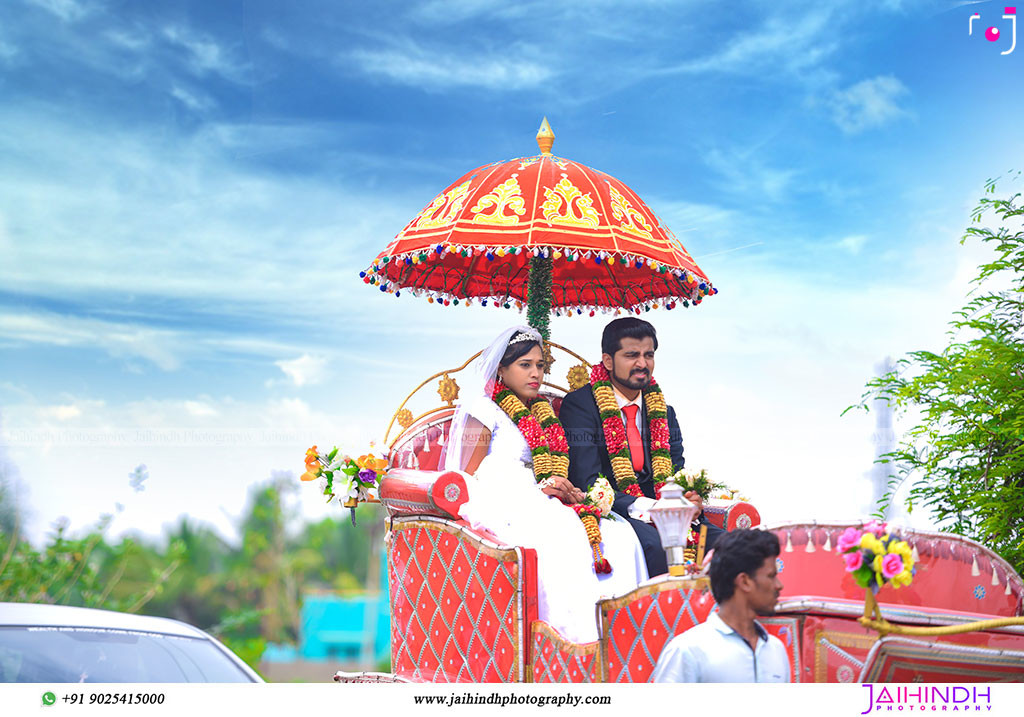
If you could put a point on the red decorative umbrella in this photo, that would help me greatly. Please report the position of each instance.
(501, 231)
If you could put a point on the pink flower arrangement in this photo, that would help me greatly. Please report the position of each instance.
(875, 557)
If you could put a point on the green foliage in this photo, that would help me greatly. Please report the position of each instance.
(335, 553)
(964, 458)
(697, 481)
(538, 295)
(8, 506)
(237, 633)
(80, 571)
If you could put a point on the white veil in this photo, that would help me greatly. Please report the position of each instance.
(479, 384)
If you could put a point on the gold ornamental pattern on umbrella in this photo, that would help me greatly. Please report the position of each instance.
(477, 237)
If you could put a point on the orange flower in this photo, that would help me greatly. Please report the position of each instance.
(309, 475)
(312, 461)
(379, 465)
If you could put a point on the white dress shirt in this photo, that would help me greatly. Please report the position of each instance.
(714, 652)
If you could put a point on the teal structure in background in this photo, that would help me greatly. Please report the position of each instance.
(341, 628)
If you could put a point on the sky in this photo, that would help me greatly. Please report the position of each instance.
(188, 191)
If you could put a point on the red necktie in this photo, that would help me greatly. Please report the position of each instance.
(636, 445)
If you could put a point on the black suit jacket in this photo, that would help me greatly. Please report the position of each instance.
(588, 452)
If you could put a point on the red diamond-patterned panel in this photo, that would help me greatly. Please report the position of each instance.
(458, 606)
(636, 627)
(555, 659)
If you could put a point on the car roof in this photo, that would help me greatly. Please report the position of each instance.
(41, 615)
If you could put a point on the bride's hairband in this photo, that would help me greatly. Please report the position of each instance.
(523, 336)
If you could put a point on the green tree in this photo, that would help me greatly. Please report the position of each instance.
(336, 554)
(10, 511)
(964, 458)
(84, 571)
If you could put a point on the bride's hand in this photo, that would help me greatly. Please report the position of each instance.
(565, 491)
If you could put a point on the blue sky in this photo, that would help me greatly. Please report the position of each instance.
(188, 191)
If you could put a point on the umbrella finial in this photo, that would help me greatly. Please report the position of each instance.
(545, 137)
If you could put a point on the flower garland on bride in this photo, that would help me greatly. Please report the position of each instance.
(550, 451)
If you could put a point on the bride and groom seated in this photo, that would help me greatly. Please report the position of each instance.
(528, 468)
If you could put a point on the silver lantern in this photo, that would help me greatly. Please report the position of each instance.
(673, 515)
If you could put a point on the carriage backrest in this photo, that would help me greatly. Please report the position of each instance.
(953, 573)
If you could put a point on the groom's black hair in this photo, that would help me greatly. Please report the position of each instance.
(515, 351)
(628, 327)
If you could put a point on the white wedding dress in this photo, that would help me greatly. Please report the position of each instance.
(505, 500)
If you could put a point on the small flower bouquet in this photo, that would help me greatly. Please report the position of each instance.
(597, 504)
(876, 557)
(344, 477)
(697, 481)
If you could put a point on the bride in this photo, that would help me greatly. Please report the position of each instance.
(526, 504)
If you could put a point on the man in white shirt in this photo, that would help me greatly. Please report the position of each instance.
(730, 646)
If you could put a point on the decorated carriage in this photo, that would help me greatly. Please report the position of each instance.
(549, 235)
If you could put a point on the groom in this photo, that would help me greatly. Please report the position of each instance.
(627, 352)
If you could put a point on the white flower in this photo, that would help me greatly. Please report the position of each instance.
(353, 489)
(137, 477)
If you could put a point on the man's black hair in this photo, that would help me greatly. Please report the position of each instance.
(628, 327)
(739, 551)
(516, 351)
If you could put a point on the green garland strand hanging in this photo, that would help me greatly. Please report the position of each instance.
(538, 295)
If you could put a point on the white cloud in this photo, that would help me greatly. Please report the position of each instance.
(134, 39)
(7, 51)
(200, 408)
(117, 339)
(868, 104)
(743, 172)
(120, 213)
(67, 10)
(791, 42)
(205, 55)
(64, 413)
(414, 65)
(305, 370)
(194, 101)
(683, 217)
(853, 243)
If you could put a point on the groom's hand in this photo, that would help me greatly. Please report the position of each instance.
(694, 497)
(565, 491)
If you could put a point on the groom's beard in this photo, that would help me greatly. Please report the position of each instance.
(636, 381)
